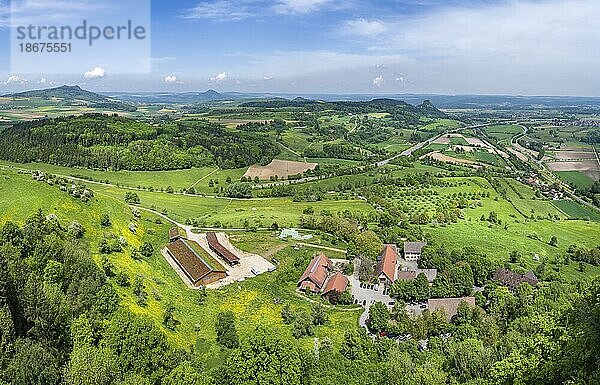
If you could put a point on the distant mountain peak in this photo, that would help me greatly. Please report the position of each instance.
(430, 109)
(211, 92)
(67, 92)
(68, 87)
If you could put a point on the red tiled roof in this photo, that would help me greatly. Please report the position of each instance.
(337, 282)
(316, 272)
(387, 262)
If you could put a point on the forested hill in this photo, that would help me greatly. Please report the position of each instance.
(62, 92)
(427, 109)
(118, 143)
(68, 95)
(399, 110)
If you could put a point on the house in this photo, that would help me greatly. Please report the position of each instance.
(412, 250)
(406, 275)
(221, 250)
(315, 274)
(512, 280)
(409, 275)
(449, 305)
(200, 270)
(336, 285)
(386, 265)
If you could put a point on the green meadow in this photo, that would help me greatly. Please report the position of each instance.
(575, 178)
(254, 301)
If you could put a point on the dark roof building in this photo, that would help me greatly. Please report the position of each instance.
(221, 250)
(512, 280)
(386, 265)
(412, 250)
(406, 275)
(175, 233)
(449, 305)
(198, 269)
(316, 273)
(409, 275)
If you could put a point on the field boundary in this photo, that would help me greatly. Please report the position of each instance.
(205, 176)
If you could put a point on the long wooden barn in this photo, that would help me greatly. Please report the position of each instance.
(220, 250)
(199, 269)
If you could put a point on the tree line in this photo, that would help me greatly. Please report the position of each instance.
(117, 143)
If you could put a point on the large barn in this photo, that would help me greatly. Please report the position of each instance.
(199, 269)
(220, 250)
(316, 273)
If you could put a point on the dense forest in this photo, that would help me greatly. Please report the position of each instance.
(112, 142)
(61, 322)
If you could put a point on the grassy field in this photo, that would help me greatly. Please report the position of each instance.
(576, 178)
(178, 179)
(502, 133)
(256, 301)
(575, 210)
(229, 213)
(440, 125)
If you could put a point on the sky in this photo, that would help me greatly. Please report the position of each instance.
(509, 47)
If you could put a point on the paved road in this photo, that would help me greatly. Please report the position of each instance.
(366, 297)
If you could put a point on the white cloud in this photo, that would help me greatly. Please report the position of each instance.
(363, 27)
(220, 78)
(219, 10)
(96, 73)
(267, 78)
(378, 81)
(15, 79)
(516, 47)
(299, 6)
(46, 81)
(170, 79)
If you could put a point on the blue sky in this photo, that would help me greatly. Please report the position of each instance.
(535, 47)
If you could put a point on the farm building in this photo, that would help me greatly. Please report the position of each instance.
(176, 233)
(412, 250)
(386, 265)
(512, 280)
(409, 275)
(337, 284)
(316, 273)
(200, 270)
(221, 250)
(449, 305)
